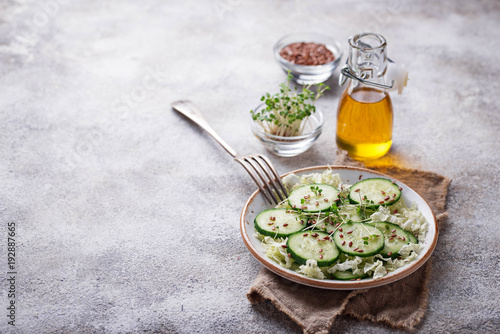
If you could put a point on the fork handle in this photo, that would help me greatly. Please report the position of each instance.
(188, 109)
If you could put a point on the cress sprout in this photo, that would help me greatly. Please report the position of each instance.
(286, 113)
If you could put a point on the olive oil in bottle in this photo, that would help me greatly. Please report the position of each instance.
(364, 114)
(364, 123)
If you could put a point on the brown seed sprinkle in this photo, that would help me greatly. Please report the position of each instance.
(326, 200)
(390, 253)
(343, 243)
(284, 246)
(360, 250)
(349, 232)
(307, 53)
(340, 229)
(305, 234)
(341, 235)
(321, 256)
(350, 244)
(285, 225)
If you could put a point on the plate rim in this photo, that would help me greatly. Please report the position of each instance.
(330, 284)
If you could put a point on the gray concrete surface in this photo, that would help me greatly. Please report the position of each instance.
(127, 215)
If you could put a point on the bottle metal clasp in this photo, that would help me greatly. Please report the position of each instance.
(395, 71)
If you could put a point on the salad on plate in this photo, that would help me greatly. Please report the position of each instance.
(327, 229)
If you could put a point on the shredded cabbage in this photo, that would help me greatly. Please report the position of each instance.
(407, 249)
(409, 219)
(292, 181)
(380, 271)
(346, 265)
(311, 270)
(275, 250)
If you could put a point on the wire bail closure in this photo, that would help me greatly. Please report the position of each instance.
(347, 72)
(397, 73)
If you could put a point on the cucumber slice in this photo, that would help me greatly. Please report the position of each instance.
(314, 197)
(314, 245)
(395, 238)
(347, 275)
(375, 192)
(352, 212)
(359, 239)
(278, 223)
(411, 237)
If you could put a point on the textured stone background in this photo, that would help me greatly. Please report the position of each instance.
(127, 215)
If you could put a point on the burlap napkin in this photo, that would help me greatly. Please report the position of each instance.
(401, 304)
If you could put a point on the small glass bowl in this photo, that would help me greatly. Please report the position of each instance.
(309, 74)
(290, 146)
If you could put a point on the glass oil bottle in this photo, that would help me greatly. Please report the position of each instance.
(364, 114)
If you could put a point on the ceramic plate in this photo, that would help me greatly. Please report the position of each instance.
(350, 175)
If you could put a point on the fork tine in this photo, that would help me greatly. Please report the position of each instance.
(264, 178)
(276, 179)
(267, 180)
(265, 165)
(251, 171)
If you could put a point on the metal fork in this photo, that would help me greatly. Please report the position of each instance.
(258, 166)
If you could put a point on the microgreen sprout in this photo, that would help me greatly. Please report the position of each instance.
(286, 113)
(316, 190)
